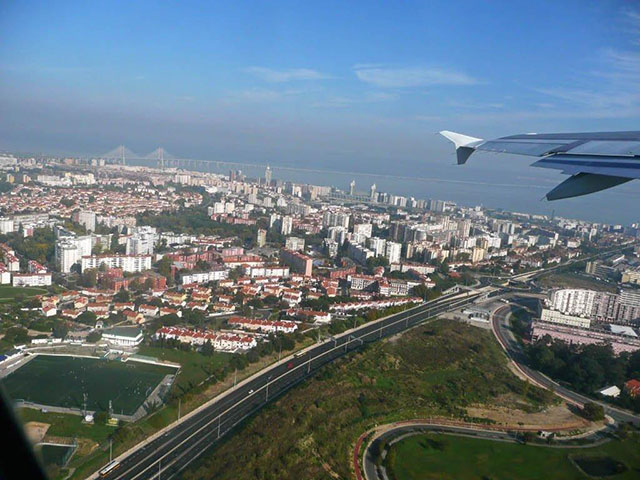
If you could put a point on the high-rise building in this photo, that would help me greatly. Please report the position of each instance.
(393, 251)
(352, 188)
(478, 254)
(67, 254)
(377, 246)
(267, 176)
(261, 238)
(373, 193)
(85, 218)
(286, 225)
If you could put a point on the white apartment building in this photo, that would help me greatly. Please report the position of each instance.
(204, 277)
(365, 229)
(393, 250)
(553, 316)
(88, 219)
(6, 225)
(573, 301)
(70, 249)
(294, 243)
(31, 279)
(67, 255)
(286, 225)
(377, 246)
(128, 263)
(140, 245)
(335, 219)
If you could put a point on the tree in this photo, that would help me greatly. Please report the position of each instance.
(94, 336)
(87, 318)
(122, 296)
(207, 349)
(253, 356)
(89, 278)
(527, 437)
(16, 335)
(60, 330)
(164, 269)
(592, 411)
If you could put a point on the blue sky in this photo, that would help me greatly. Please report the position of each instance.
(314, 83)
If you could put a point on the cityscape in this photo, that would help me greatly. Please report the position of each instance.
(314, 274)
(159, 268)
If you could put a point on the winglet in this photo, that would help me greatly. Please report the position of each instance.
(465, 145)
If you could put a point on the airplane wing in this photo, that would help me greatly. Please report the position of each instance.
(595, 161)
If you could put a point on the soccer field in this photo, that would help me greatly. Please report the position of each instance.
(61, 381)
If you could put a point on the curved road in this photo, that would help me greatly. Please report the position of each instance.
(501, 329)
(402, 430)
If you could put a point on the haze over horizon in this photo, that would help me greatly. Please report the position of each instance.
(355, 87)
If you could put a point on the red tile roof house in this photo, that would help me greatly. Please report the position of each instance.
(632, 387)
(133, 317)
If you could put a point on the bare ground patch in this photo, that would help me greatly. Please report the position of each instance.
(556, 417)
(36, 430)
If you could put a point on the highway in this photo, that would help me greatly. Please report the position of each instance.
(501, 329)
(170, 451)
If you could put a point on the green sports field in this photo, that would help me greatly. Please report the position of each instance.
(61, 381)
(448, 457)
(8, 293)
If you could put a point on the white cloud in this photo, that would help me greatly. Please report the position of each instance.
(287, 75)
(344, 101)
(404, 77)
(257, 95)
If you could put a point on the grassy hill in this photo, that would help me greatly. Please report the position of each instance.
(436, 369)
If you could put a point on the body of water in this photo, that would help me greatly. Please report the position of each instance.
(490, 181)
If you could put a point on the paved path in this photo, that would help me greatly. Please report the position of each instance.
(394, 432)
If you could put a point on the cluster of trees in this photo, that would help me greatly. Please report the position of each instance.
(586, 368)
(39, 247)
(196, 220)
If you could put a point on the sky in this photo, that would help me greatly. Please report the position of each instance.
(356, 86)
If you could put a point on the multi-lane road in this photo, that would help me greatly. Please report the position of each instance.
(167, 453)
(501, 329)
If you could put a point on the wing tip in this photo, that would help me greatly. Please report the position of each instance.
(465, 145)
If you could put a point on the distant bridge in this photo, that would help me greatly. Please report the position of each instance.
(121, 155)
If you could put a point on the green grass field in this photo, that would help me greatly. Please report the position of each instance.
(8, 293)
(194, 367)
(66, 424)
(61, 382)
(444, 457)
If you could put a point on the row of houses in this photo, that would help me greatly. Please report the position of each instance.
(374, 304)
(224, 342)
